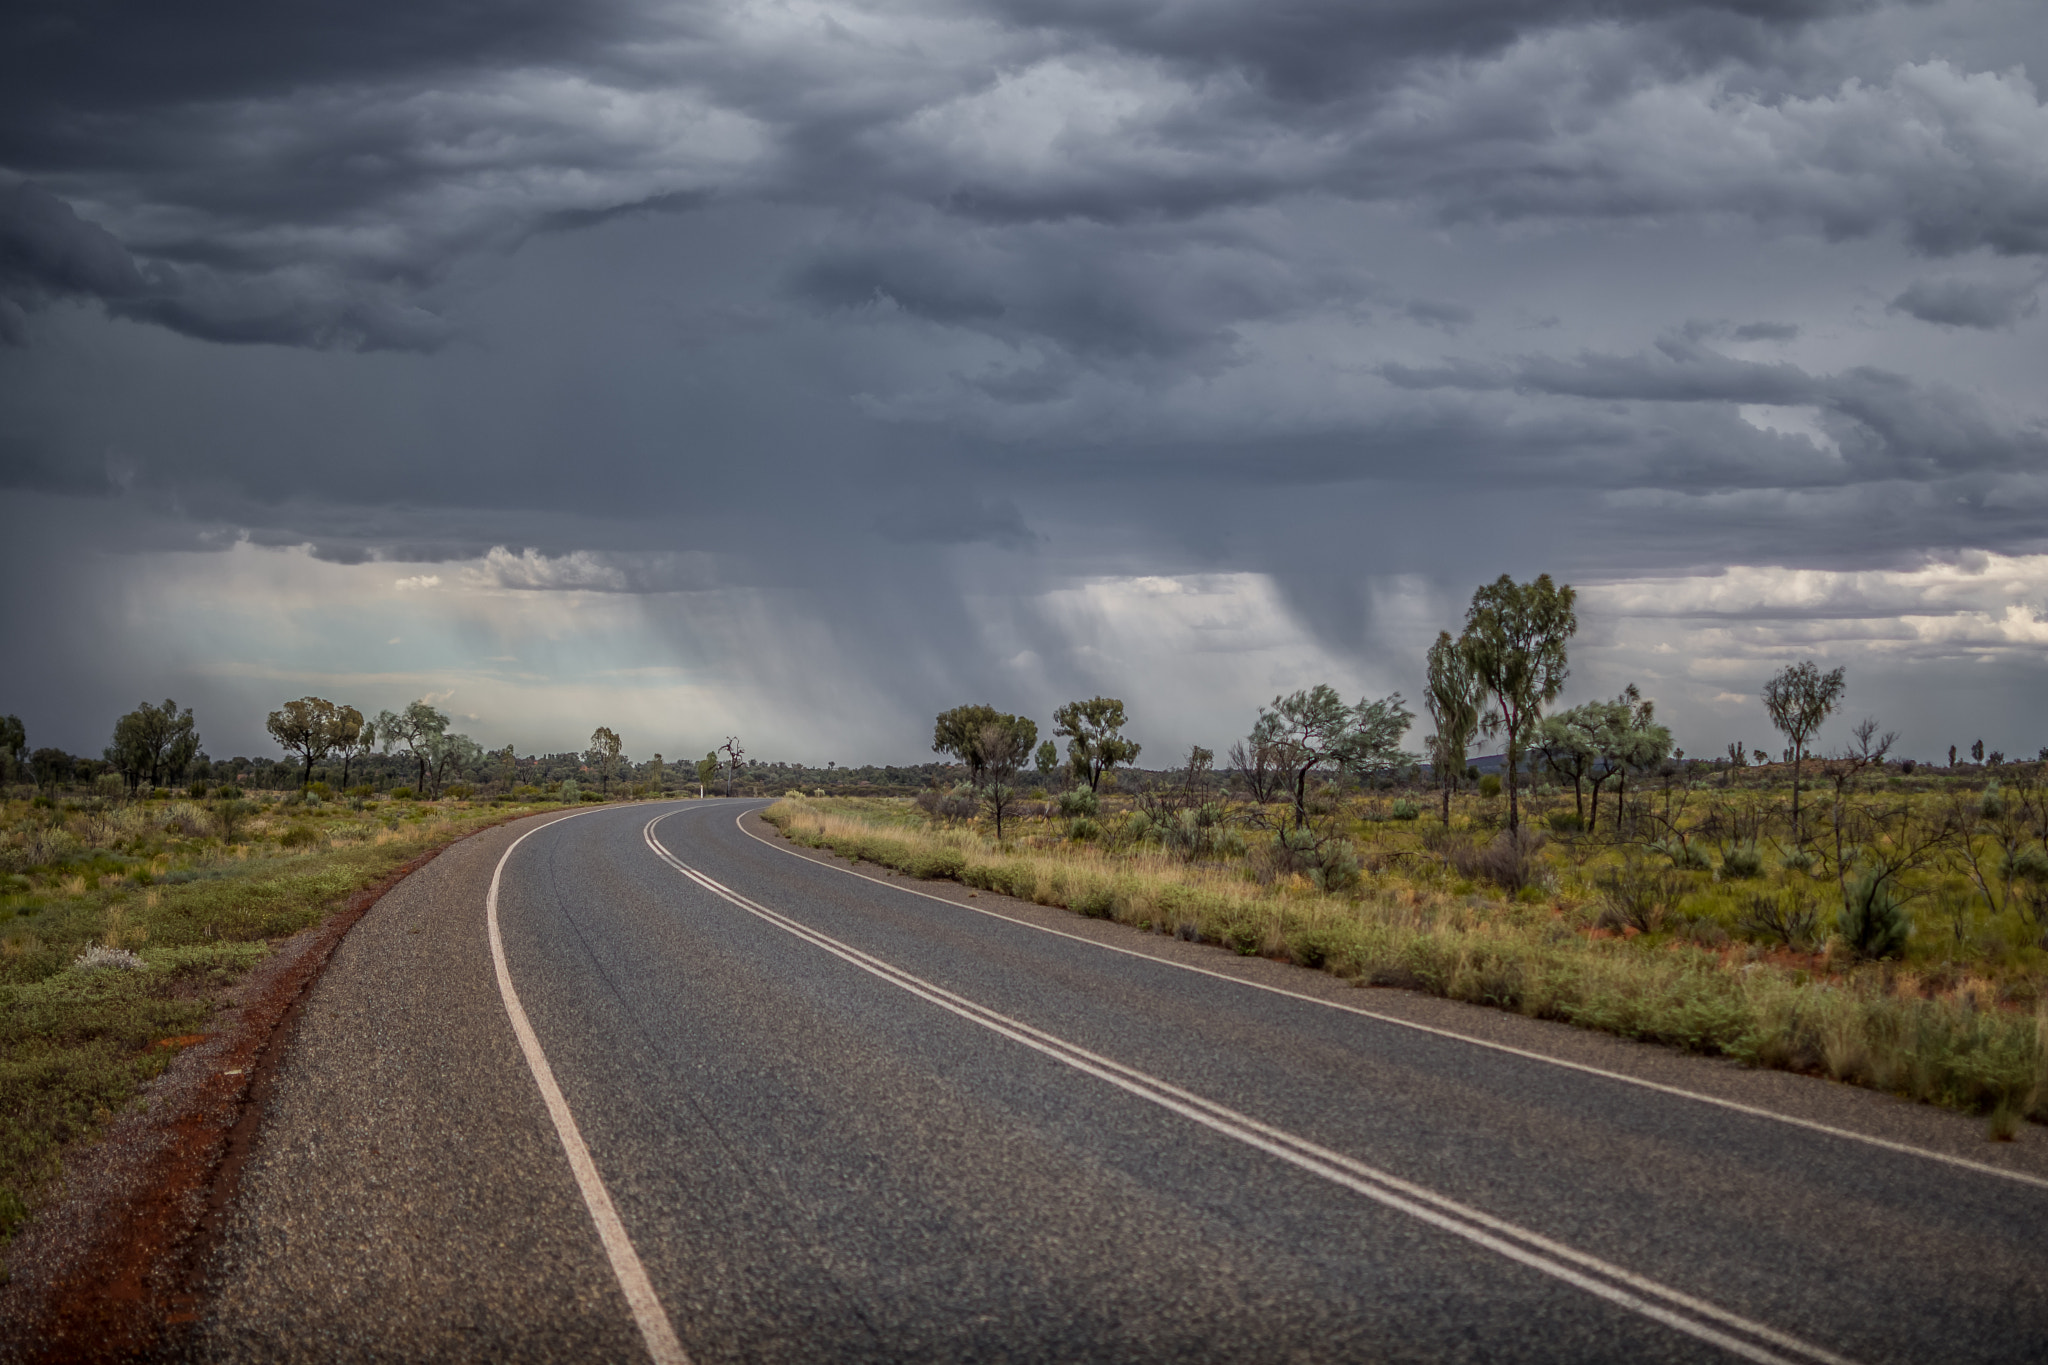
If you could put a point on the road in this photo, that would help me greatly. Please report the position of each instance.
(708, 1098)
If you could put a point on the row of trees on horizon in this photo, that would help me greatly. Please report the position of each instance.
(1496, 678)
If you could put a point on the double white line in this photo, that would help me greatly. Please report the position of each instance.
(1624, 1288)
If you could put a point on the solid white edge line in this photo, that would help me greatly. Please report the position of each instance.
(1755, 1111)
(1404, 1196)
(655, 1329)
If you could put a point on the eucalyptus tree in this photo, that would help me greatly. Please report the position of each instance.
(1454, 698)
(1799, 699)
(449, 755)
(415, 728)
(1566, 744)
(1377, 727)
(1514, 643)
(153, 742)
(603, 756)
(13, 742)
(353, 737)
(1047, 760)
(305, 727)
(1094, 731)
(1302, 732)
(958, 732)
(1004, 744)
(1631, 741)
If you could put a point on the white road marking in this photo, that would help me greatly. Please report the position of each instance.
(1682, 1312)
(1755, 1111)
(655, 1328)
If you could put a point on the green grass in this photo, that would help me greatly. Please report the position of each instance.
(156, 878)
(1540, 953)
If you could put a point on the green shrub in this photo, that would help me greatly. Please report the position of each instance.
(595, 798)
(1404, 809)
(1489, 786)
(404, 794)
(1779, 919)
(299, 836)
(460, 791)
(1741, 863)
(321, 790)
(1873, 922)
(1080, 802)
(570, 793)
(1084, 829)
(936, 863)
(1686, 856)
(1565, 822)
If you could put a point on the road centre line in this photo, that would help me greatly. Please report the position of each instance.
(1624, 1288)
(655, 1329)
(1737, 1106)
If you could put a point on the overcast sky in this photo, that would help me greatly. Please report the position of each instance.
(798, 370)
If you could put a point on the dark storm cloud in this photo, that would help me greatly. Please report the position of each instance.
(903, 310)
(1100, 294)
(1885, 425)
(48, 252)
(310, 174)
(1985, 304)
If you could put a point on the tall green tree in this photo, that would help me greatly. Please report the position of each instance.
(1377, 727)
(13, 743)
(51, 768)
(1800, 698)
(1094, 731)
(1630, 741)
(958, 732)
(153, 743)
(1301, 732)
(603, 756)
(415, 729)
(1454, 699)
(1047, 760)
(307, 727)
(707, 771)
(1514, 643)
(1004, 744)
(353, 738)
(449, 756)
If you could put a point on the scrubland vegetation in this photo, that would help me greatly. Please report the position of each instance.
(123, 920)
(1893, 939)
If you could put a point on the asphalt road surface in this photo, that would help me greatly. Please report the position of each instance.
(639, 1082)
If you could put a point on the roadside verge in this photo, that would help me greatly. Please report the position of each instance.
(107, 1268)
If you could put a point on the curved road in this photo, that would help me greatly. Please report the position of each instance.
(707, 1098)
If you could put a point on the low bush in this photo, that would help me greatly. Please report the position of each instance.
(1873, 921)
(1080, 802)
(1509, 861)
(1783, 919)
(1741, 863)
